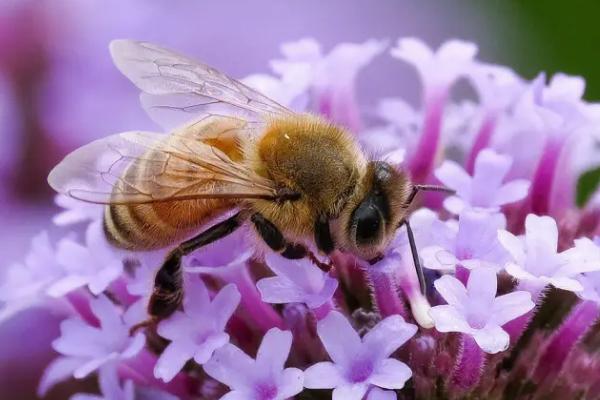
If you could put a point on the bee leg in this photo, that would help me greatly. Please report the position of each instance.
(323, 238)
(275, 240)
(167, 294)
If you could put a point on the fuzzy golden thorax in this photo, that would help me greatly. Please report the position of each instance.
(320, 161)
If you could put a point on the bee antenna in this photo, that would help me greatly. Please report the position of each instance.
(426, 188)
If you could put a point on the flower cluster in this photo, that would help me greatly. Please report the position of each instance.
(500, 252)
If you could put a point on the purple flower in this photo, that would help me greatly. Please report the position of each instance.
(297, 281)
(497, 86)
(379, 394)
(359, 363)
(110, 387)
(197, 331)
(587, 252)
(75, 211)
(264, 378)
(85, 348)
(323, 83)
(94, 265)
(476, 311)
(26, 283)
(440, 69)
(474, 244)
(535, 259)
(485, 189)
(590, 281)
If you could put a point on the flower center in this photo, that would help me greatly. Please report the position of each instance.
(477, 320)
(266, 391)
(361, 370)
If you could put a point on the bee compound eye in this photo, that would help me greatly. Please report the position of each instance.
(368, 222)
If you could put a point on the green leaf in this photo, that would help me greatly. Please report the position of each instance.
(586, 185)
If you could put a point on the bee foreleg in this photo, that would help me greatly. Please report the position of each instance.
(167, 294)
(323, 238)
(275, 240)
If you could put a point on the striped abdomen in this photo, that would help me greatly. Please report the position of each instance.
(158, 225)
(161, 224)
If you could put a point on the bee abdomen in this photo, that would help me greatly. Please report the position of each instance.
(120, 228)
(155, 226)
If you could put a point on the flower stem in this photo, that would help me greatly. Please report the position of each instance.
(469, 366)
(577, 323)
(385, 293)
(421, 164)
(482, 140)
(80, 302)
(462, 274)
(261, 314)
(517, 326)
(543, 178)
(323, 310)
(140, 370)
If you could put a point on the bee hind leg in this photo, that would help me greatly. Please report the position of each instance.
(167, 294)
(273, 237)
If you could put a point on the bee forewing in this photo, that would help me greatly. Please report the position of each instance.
(179, 84)
(175, 110)
(145, 167)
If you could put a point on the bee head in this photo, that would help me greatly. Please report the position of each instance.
(376, 211)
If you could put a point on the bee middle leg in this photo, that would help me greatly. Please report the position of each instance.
(273, 237)
(167, 294)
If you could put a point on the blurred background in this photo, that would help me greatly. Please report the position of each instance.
(59, 90)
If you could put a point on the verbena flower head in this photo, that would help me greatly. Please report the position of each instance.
(357, 363)
(263, 378)
(361, 331)
(476, 311)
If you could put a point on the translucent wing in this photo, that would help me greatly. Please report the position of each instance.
(177, 89)
(144, 167)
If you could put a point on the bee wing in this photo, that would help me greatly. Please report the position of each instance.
(176, 89)
(144, 167)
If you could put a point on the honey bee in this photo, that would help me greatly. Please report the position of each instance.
(298, 179)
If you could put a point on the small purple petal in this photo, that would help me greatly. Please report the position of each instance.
(510, 306)
(232, 367)
(172, 360)
(339, 338)
(388, 335)
(379, 394)
(391, 374)
(274, 349)
(492, 339)
(349, 392)
(323, 375)
(452, 290)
